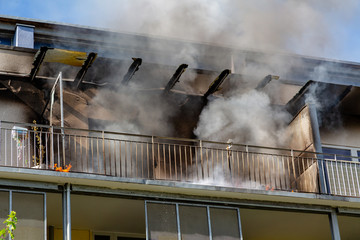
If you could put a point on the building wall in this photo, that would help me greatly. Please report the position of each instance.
(14, 110)
(347, 134)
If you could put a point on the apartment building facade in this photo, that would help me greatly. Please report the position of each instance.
(97, 138)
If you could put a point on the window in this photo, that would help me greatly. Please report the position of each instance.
(341, 154)
(191, 221)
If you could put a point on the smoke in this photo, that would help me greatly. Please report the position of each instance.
(246, 118)
(302, 27)
(134, 111)
(305, 27)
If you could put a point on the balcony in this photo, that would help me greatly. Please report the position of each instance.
(131, 156)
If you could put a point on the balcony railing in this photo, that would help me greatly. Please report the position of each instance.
(185, 160)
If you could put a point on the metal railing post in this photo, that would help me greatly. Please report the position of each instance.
(52, 161)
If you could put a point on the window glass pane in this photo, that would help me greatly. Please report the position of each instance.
(101, 237)
(4, 206)
(5, 41)
(162, 221)
(266, 224)
(29, 210)
(194, 223)
(349, 227)
(224, 224)
(129, 238)
(358, 153)
(338, 152)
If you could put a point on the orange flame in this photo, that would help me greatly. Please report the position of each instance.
(60, 169)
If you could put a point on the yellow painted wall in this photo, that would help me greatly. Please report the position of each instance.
(75, 234)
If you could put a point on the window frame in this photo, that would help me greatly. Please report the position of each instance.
(207, 206)
(354, 151)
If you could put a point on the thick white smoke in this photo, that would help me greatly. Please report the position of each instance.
(245, 118)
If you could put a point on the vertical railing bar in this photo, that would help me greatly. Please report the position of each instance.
(352, 180)
(110, 157)
(333, 175)
(207, 161)
(238, 166)
(120, 159)
(289, 170)
(191, 162)
(254, 168)
(170, 162)
(293, 166)
(98, 155)
(136, 159)
(34, 159)
(338, 175)
(201, 160)
(86, 162)
(125, 146)
(180, 159)
(186, 164)
(75, 152)
(147, 160)
(284, 186)
(196, 162)
(164, 159)
(280, 173)
(153, 155)
(115, 158)
(159, 160)
(248, 162)
(347, 176)
(243, 166)
(81, 154)
(5, 140)
(103, 151)
(131, 159)
(258, 157)
(222, 160)
(142, 160)
(213, 164)
(263, 157)
(23, 150)
(92, 155)
(11, 149)
(29, 149)
(343, 178)
(269, 171)
(58, 149)
(331, 186)
(175, 162)
(298, 164)
(284, 172)
(70, 148)
(40, 147)
(304, 172)
(357, 177)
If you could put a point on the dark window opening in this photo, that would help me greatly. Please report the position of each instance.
(341, 154)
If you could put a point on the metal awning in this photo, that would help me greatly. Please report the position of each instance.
(67, 57)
